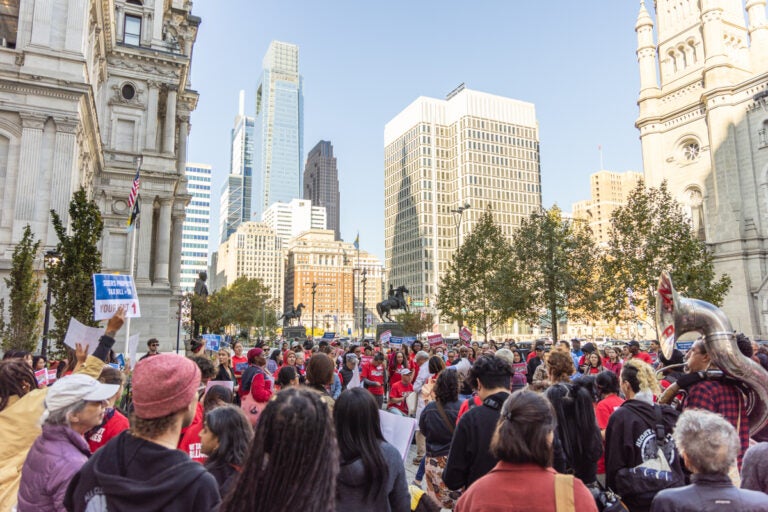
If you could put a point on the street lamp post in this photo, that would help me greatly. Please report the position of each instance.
(50, 259)
(314, 290)
(362, 315)
(458, 214)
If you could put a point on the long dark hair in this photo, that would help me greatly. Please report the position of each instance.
(234, 431)
(447, 387)
(14, 373)
(358, 429)
(293, 459)
(576, 422)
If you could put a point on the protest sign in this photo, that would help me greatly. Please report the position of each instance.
(395, 341)
(225, 383)
(329, 335)
(212, 341)
(684, 346)
(435, 340)
(110, 291)
(408, 340)
(120, 361)
(386, 337)
(88, 337)
(132, 345)
(240, 367)
(465, 334)
(366, 360)
(398, 431)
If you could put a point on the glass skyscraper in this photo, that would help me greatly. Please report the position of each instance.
(280, 127)
(321, 182)
(194, 231)
(236, 195)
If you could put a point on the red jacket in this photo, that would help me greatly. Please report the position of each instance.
(114, 422)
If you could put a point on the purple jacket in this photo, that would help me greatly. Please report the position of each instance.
(52, 461)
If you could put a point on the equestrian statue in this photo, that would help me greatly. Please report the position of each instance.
(291, 313)
(396, 300)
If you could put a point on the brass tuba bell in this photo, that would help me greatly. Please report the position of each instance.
(677, 315)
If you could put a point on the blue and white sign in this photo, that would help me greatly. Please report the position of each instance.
(212, 341)
(110, 291)
(684, 346)
(329, 335)
(395, 341)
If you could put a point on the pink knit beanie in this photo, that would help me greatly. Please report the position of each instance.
(164, 384)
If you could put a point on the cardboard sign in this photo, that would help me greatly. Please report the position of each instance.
(435, 340)
(110, 291)
(386, 337)
(88, 337)
(465, 334)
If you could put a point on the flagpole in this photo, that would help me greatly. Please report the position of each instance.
(362, 313)
(135, 228)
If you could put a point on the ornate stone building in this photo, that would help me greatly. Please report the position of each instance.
(703, 120)
(87, 87)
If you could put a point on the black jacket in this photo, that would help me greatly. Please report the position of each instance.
(432, 425)
(131, 474)
(709, 493)
(346, 376)
(470, 457)
(532, 365)
(630, 440)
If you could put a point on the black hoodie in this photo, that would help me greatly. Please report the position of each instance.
(131, 474)
(628, 443)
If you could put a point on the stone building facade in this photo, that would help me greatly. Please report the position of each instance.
(86, 88)
(703, 125)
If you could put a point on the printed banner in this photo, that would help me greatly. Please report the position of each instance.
(465, 334)
(329, 335)
(212, 341)
(110, 291)
(435, 340)
(394, 341)
(386, 337)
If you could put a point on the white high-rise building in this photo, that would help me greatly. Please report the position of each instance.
(609, 190)
(293, 218)
(472, 151)
(703, 125)
(194, 232)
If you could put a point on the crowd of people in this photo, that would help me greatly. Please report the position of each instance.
(297, 426)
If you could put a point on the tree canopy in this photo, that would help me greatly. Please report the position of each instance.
(22, 329)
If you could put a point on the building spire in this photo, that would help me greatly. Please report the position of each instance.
(646, 54)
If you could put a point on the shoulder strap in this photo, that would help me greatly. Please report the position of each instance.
(444, 416)
(564, 498)
(661, 431)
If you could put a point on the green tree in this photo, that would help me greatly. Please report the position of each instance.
(23, 327)
(208, 311)
(470, 290)
(244, 302)
(71, 280)
(649, 234)
(552, 270)
(414, 322)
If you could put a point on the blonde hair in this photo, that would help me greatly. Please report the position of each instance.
(645, 376)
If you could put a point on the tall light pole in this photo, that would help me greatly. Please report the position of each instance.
(51, 259)
(458, 214)
(314, 290)
(362, 315)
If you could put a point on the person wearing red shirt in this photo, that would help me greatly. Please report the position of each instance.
(114, 421)
(399, 392)
(397, 363)
(239, 361)
(374, 376)
(607, 384)
(636, 353)
(190, 443)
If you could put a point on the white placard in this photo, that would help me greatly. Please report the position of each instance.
(110, 291)
(86, 336)
(133, 343)
(398, 431)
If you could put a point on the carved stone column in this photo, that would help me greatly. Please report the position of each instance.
(175, 264)
(119, 21)
(144, 242)
(150, 143)
(41, 22)
(76, 17)
(163, 243)
(29, 164)
(181, 161)
(169, 133)
(64, 176)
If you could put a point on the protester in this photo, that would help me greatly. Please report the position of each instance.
(654, 351)
(152, 348)
(709, 445)
(257, 385)
(20, 354)
(435, 365)
(632, 440)
(397, 363)
(374, 375)
(437, 423)
(578, 444)
(225, 439)
(191, 443)
(114, 421)
(287, 377)
(636, 353)
(372, 475)
(399, 392)
(141, 469)
(196, 347)
(320, 376)
(73, 406)
(608, 389)
(612, 361)
(39, 363)
(754, 469)
(535, 359)
(540, 380)
(22, 405)
(469, 458)
(524, 478)
(239, 361)
(593, 364)
(348, 369)
(226, 373)
(274, 361)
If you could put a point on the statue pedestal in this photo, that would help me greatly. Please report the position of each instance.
(295, 333)
(395, 327)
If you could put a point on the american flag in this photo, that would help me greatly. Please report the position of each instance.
(135, 187)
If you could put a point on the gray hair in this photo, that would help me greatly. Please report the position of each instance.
(709, 441)
(61, 415)
(506, 354)
(421, 355)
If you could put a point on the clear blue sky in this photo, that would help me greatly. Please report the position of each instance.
(363, 62)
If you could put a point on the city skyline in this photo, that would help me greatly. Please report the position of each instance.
(585, 90)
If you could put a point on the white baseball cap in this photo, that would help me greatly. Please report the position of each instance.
(404, 371)
(73, 388)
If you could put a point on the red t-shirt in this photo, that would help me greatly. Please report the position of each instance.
(192, 445)
(643, 356)
(603, 411)
(398, 391)
(112, 425)
(376, 374)
(395, 377)
(198, 419)
(465, 406)
(239, 364)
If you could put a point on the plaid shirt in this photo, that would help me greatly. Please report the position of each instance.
(724, 399)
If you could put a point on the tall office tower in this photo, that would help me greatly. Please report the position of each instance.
(703, 125)
(280, 127)
(321, 183)
(236, 194)
(316, 257)
(253, 251)
(472, 149)
(609, 190)
(194, 231)
(293, 218)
